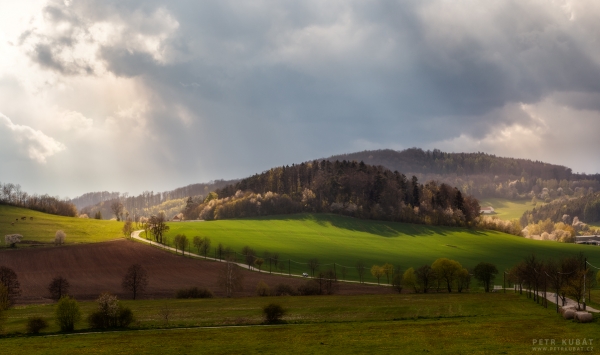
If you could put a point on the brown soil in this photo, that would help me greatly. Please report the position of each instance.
(95, 268)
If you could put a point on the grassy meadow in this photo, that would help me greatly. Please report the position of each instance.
(43, 227)
(507, 209)
(433, 323)
(344, 241)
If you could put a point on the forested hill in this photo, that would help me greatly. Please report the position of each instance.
(415, 160)
(344, 187)
(482, 175)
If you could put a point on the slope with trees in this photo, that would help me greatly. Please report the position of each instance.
(147, 203)
(12, 195)
(483, 175)
(342, 187)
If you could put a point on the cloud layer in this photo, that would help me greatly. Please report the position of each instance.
(158, 94)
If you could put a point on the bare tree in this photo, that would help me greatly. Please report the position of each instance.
(249, 254)
(158, 227)
(117, 209)
(205, 246)
(8, 277)
(329, 282)
(360, 268)
(230, 278)
(135, 280)
(58, 287)
(183, 243)
(313, 264)
(424, 277)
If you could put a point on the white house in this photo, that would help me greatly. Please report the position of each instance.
(487, 210)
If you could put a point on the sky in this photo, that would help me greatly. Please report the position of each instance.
(150, 95)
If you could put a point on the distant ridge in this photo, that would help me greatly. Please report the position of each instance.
(416, 160)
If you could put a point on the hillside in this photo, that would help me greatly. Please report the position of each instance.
(415, 160)
(43, 227)
(349, 188)
(483, 175)
(345, 240)
(146, 203)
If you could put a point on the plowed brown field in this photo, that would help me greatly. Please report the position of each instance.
(95, 268)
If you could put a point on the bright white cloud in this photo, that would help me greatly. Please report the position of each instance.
(34, 143)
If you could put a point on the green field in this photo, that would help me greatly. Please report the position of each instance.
(415, 323)
(508, 209)
(43, 227)
(345, 240)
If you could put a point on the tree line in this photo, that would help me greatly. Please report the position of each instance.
(586, 208)
(570, 276)
(482, 175)
(343, 187)
(12, 194)
(416, 160)
(145, 204)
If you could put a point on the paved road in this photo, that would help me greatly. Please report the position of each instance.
(551, 296)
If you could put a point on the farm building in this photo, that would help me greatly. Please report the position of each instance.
(588, 239)
(487, 210)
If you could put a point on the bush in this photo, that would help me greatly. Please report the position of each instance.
(309, 288)
(125, 317)
(36, 324)
(284, 290)
(67, 313)
(110, 313)
(194, 292)
(273, 313)
(262, 289)
(122, 319)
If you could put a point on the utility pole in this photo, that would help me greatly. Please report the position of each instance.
(584, 275)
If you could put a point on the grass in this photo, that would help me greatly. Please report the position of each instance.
(434, 323)
(44, 226)
(507, 209)
(344, 240)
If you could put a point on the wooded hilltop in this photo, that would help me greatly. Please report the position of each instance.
(343, 187)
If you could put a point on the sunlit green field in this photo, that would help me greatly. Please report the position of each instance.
(43, 227)
(344, 241)
(416, 323)
(508, 209)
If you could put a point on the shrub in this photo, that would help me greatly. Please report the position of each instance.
(309, 288)
(194, 292)
(59, 237)
(262, 289)
(67, 313)
(125, 317)
(273, 313)
(58, 287)
(36, 324)
(110, 313)
(284, 290)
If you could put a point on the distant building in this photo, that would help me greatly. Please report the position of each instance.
(487, 210)
(588, 239)
(178, 218)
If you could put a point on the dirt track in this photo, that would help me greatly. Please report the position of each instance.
(95, 268)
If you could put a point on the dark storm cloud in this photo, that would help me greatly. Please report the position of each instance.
(238, 87)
